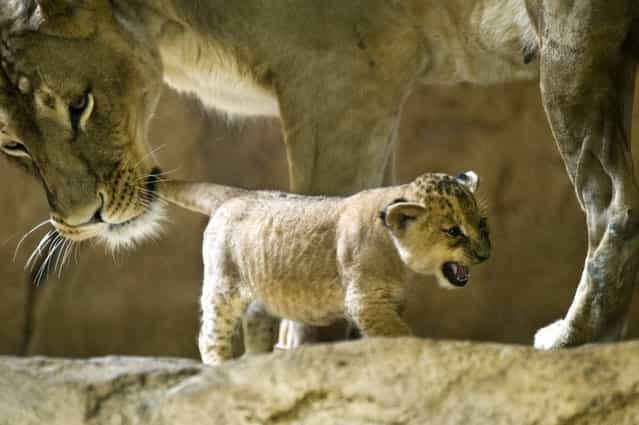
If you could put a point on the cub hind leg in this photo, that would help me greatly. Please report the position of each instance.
(222, 311)
(260, 329)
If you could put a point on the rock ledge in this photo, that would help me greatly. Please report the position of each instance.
(374, 381)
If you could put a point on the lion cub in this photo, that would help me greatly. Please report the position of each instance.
(319, 259)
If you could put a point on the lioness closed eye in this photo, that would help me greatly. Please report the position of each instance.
(319, 259)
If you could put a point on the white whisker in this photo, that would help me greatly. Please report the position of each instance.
(163, 180)
(162, 174)
(66, 256)
(38, 249)
(26, 235)
(58, 260)
(150, 153)
(76, 249)
(45, 264)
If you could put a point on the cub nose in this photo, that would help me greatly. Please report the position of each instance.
(482, 253)
(482, 258)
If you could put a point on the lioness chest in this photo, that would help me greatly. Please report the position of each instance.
(203, 68)
(284, 255)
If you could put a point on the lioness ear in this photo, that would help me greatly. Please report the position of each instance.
(470, 179)
(72, 18)
(397, 216)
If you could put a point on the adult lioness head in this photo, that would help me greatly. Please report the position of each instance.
(77, 88)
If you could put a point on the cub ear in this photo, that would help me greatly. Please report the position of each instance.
(72, 18)
(397, 216)
(51, 8)
(470, 179)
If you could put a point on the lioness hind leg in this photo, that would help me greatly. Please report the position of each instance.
(587, 85)
(260, 329)
(222, 310)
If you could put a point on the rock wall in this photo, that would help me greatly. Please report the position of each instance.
(393, 381)
(145, 302)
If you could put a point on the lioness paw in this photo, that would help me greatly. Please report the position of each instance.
(552, 336)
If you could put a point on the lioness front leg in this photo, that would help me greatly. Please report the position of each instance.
(340, 143)
(325, 159)
(587, 84)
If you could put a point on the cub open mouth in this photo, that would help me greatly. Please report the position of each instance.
(456, 273)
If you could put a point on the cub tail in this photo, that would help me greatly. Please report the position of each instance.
(203, 198)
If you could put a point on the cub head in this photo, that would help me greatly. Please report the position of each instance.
(438, 227)
(78, 85)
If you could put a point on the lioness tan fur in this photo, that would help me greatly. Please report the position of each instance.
(79, 81)
(319, 259)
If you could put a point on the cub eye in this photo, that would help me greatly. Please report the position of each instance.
(483, 222)
(454, 232)
(80, 110)
(14, 148)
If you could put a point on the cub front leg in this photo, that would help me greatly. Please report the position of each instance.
(379, 320)
(375, 311)
(222, 310)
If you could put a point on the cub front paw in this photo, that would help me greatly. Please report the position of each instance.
(551, 336)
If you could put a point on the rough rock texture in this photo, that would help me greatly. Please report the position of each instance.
(393, 381)
(145, 302)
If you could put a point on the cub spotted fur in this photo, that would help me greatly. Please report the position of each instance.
(319, 259)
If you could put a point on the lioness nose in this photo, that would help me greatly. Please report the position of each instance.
(97, 216)
(80, 215)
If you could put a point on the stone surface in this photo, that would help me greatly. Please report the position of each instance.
(392, 381)
(145, 302)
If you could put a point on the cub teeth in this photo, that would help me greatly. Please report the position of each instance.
(456, 273)
(461, 272)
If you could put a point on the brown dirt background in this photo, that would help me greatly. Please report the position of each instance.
(145, 302)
